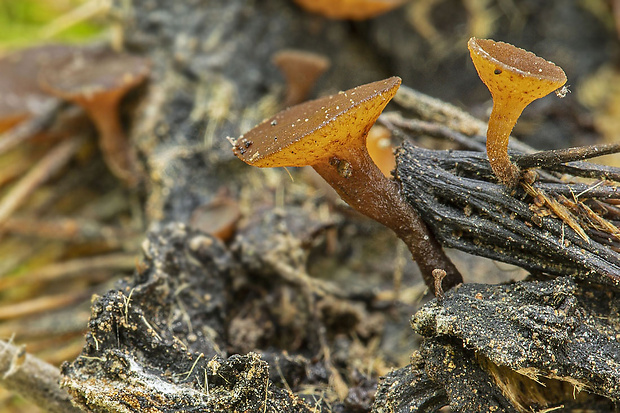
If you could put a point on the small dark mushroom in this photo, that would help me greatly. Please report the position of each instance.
(329, 134)
(97, 81)
(20, 94)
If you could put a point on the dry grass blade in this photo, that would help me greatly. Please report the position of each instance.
(42, 304)
(62, 228)
(64, 270)
(52, 162)
(84, 12)
(557, 208)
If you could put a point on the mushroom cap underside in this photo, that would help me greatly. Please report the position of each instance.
(89, 72)
(313, 131)
(509, 70)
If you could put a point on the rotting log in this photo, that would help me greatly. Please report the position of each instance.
(540, 344)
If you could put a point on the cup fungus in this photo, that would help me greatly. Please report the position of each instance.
(329, 134)
(349, 9)
(97, 81)
(515, 78)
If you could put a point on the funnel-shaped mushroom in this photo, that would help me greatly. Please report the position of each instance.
(515, 78)
(329, 134)
(20, 95)
(97, 81)
(301, 70)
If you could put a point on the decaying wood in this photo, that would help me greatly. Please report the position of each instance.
(460, 199)
(507, 339)
(34, 379)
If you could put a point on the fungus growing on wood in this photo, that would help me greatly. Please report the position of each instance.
(301, 70)
(97, 81)
(515, 78)
(329, 134)
(349, 9)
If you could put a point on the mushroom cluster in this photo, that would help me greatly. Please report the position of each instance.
(329, 134)
(515, 78)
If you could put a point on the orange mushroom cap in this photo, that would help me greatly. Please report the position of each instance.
(513, 72)
(349, 9)
(380, 149)
(311, 132)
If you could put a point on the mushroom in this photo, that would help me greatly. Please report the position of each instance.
(349, 9)
(218, 218)
(380, 149)
(20, 95)
(301, 70)
(97, 81)
(515, 78)
(329, 134)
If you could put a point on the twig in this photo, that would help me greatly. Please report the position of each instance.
(439, 275)
(558, 156)
(431, 109)
(393, 120)
(588, 170)
(34, 379)
(569, 190)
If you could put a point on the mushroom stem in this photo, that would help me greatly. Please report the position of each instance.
(378, 197)
(502, 121)
(117, 152)
(515, 78)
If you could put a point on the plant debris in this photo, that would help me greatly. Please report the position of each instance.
(527, 345)
(458, 198)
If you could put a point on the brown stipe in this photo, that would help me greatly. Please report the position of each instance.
(329, 134)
